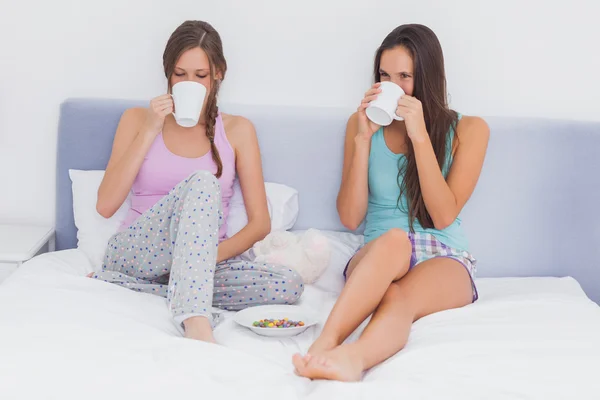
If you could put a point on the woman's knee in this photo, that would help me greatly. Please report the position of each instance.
(202, 178)
(395, 247)
(201, 185)
(396, 238)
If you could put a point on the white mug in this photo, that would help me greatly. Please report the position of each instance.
(188, 98)
(382, 110)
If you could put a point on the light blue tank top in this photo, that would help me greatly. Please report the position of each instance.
(384, 212)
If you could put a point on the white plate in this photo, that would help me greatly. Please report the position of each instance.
(247, 317)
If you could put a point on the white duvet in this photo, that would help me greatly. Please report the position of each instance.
(63, 336)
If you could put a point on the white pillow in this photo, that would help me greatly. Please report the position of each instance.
(93, 230)
(282, 202)
(343, 246)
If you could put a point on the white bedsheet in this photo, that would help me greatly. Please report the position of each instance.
(65, 336)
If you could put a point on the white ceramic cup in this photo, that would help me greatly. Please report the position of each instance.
(188, 97)
(382, 110)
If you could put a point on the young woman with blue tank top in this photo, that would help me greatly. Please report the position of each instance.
(409, 182)
(173, 242)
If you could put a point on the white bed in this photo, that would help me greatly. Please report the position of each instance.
(65, 336)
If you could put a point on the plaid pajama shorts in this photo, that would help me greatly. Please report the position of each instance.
(425, 246)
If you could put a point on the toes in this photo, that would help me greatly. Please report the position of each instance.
(299, 364)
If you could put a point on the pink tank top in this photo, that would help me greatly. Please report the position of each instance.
(162, 170)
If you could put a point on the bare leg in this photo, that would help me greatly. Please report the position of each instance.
(375, 266)
(199, 328)
(432, 286)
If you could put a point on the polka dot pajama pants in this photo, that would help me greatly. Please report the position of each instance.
(171, 251)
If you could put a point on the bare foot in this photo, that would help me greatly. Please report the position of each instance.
(90, 275)
(321, 345)
(199, 328)
(340, 364)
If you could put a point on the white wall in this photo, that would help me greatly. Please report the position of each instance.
(536, 58)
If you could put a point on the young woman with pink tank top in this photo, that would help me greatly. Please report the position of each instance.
(173, 242)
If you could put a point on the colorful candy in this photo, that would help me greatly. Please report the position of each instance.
(277, 323)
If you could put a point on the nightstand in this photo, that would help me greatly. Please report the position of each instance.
(19, 243)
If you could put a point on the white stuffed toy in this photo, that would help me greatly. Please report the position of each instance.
(308, 253)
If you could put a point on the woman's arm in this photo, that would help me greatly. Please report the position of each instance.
(135, 134)
(242, 136)
(443, 198)
(352, 199)
(353, 196)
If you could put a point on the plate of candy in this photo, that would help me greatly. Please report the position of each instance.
(275, 320)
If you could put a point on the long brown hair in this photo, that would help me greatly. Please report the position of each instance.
(189, 35)
(430, 88)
